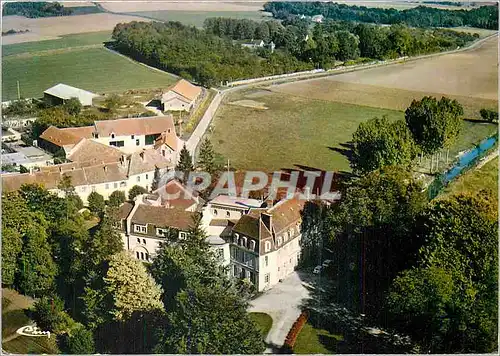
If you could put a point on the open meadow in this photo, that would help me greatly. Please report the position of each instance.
(95, 69)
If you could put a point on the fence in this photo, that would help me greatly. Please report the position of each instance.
(465, 162)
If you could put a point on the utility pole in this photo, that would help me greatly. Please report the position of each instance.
(18, 91)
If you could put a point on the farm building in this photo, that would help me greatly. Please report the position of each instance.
(254, 44)
(61, 92)
(181, 97)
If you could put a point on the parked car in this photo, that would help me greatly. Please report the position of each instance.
(317, 269)
(326, 263)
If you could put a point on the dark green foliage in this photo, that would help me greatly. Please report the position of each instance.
(421, 16)
(23, 169)
(375, 242)
(11, 247)
(96, 203)
(35, 9)
(104, 243)
(47, 312)
(379, 143)
(156, 180)
(185, 164)
(315, 232)
(72, 106)
(8, 168)
(450, 304)
(116, 198)
(80, 342)
(434, 124)
(206, 157)
(135, 191)
(489, 115)
(22, 107)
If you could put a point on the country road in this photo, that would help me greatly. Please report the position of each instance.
(195, 138)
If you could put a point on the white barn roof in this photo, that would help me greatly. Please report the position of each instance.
(66, 92)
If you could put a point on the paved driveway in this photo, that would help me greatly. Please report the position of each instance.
(282, 303)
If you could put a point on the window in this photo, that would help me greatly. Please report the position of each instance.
(233, 252)
(160, 232)
(163, 153)
(132, 137)
(279, 241)
(182, 235)
(106, 186)
(117, 143)
(147, 256)
(285, 237)
(137, 254)
(266, 260)
(138, 178)
(215, 212)
(146, 178)
(228, 214)
(137, 142)
(142, 255)
(141, 229)
(267, 246)
(83, 189)
(220, 253)
(266, 278)
(235, 271)
(93, 188)
(243, 241)
(123, 184)
(138, 240)
(144, 241)
(112, 135)
(115, 185)
(252, 245)
(235, 239)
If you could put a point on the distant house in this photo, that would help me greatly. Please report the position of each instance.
(61, 92)
(253, 44)
(317, 18)
(181, 97)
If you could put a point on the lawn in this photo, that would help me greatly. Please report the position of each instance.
(291, 132)
(67, 41)
(196, 18)
(475, 180)
(315, 341)
(263, 321)
(95, 69)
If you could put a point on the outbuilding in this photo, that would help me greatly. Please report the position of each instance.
(59, 93)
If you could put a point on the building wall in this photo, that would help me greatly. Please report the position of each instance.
(224, 212)
(130, 145)
(175, 104)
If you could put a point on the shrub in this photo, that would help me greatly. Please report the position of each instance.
(294, 331)
(96, 203)
(47, 312)
(135, 191)
(79, 341)
(116, 198)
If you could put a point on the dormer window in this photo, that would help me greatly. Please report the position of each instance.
(112, 135)
(279, 241)
(252, 245)
(132, 136)
(267, 246)
(235, 240)
(244, 241)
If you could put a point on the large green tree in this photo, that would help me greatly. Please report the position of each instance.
(185, 164)
(116, 198)
(135, 191)
(378, 143)
(434, 124)
(96, 203)
(457, 309)
(131, 287)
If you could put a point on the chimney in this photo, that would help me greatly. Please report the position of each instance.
(267, 219)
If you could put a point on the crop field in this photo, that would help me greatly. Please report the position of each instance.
(196, 18)
(66, 41)
(51, 28)
(471, 77)
(204, 6)
(94, 69)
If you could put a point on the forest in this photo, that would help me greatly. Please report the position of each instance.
(214, 55)
(421, 16)
(45, 9)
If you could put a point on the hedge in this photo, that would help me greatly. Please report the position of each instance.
(294, 331)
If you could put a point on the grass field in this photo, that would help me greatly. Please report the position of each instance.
(475, 180)
(67, 41)
(315, 341)
(293, 131)
(94, 69)
(196, 18)
(263, 321)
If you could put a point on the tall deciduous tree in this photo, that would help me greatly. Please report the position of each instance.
(116, 199)
(131, 287)
(434, 124)
(96, 203)
(12, 244)
(206, 157)
(457, 310)
(378, 143)
(156, 180)
(104, 243)
(135, 191)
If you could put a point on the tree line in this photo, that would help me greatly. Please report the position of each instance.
(37, 9)
(421, 16)
(210, 56)
(95, 297)
(421, 268)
